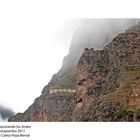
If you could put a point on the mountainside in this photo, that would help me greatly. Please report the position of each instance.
(108, 81)
(97, 85)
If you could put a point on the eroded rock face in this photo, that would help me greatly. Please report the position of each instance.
(91, 74)
(47, 108)
(108, 80)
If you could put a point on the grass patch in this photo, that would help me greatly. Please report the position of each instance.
(124, 114)
(122, 94)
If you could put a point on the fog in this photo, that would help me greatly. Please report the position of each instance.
(5, 113)
(94, 33)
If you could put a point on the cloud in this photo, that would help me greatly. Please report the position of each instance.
(5, 113)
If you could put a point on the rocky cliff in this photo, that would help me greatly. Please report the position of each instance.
(106, 81)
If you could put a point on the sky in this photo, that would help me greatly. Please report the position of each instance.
(32, 47)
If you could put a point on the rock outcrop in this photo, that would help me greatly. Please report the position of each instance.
(46, 108)
(106, 81)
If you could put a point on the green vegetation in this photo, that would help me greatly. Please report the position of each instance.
(85, 118)
(124, 114)
(102, 65)
(67, 80)
(121, 96)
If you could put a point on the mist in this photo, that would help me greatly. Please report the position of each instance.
(5, 113)
(94, 33)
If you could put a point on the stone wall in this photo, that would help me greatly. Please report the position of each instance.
(61, 90)
(89, 51)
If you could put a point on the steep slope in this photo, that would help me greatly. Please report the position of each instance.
(109, 81)
(65, 106)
